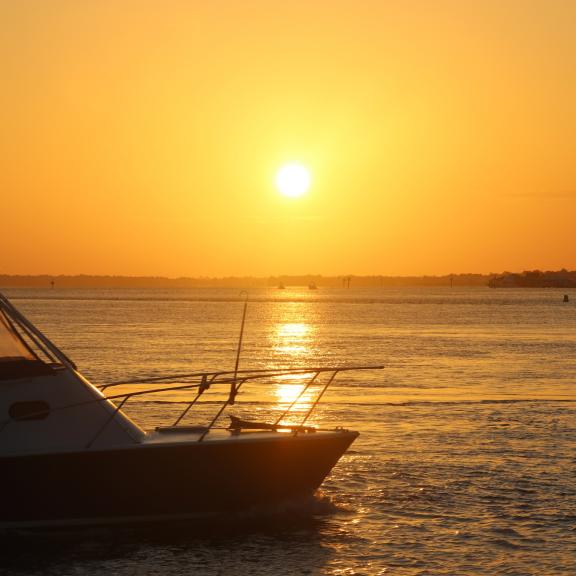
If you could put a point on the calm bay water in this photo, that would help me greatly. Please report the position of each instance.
(467, 455)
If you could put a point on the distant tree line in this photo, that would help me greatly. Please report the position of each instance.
(535, 279)
(344, 281)
(530, 278)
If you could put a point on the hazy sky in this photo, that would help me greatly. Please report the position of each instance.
(143, 137)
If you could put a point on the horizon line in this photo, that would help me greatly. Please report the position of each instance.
(276, 276)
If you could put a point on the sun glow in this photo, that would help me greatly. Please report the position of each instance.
(293, 180)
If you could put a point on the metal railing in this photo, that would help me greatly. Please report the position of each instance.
(203, 381)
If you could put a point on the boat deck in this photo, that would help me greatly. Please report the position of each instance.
(221, 435)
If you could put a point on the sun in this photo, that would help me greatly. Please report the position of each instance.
(293, 180)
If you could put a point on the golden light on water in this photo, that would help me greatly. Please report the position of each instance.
(290, 389)
(292, 342)
(292, 339)
(293, 330)
(287, 393)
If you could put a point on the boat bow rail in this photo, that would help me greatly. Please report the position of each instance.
(201, 382)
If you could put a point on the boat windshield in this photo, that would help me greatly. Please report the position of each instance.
(12, 347)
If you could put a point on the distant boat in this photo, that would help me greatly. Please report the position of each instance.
(70, 456)
(566, 298)
(312, 286)
(281, 286)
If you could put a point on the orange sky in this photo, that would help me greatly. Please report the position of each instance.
(143, 137)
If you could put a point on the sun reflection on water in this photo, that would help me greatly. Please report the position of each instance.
(293, 329)
(294, 396)
(293, 344)
(293, 339)
(288, 392)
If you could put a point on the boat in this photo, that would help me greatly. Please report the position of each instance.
(312, 286)
(71, 455)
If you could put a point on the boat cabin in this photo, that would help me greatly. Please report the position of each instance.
(45, 404)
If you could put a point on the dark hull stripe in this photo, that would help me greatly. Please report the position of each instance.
(164, 481)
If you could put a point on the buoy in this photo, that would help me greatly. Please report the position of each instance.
(566, 299)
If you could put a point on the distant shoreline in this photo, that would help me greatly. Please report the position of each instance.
(528, 279)
(352, 281)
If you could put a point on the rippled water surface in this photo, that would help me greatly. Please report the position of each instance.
(466, 459)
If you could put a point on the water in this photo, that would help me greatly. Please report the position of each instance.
(466, 459)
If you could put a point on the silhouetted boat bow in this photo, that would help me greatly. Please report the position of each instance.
(70, 455)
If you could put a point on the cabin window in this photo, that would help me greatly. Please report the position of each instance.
(15, 368)
(31, 410)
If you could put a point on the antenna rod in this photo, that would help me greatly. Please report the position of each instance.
(233, 390)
